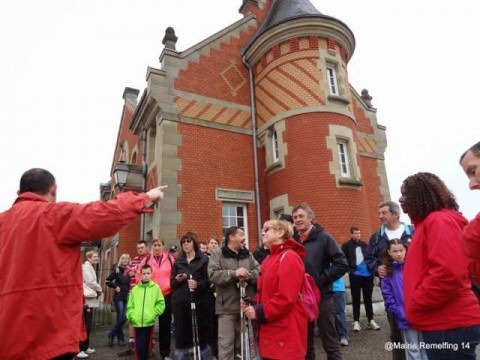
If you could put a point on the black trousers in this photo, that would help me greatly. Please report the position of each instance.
(164, 322)
(183, 323)
(143, 342)
(362, 284)
(88, 318)
(328, 332)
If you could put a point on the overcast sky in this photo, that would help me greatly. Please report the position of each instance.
(64, 66)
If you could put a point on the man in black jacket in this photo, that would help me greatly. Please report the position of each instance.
(361, 279)
(326, 263)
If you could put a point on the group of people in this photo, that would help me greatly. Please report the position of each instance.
(428, 275)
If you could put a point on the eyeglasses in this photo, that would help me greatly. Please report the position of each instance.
(187, 240)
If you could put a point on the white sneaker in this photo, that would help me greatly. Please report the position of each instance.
(356, 326)
(344, 341)
(372, 325)
(90, 351)
(82, 355)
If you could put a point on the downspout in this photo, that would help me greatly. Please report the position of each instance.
(143, 138)
(255, 156)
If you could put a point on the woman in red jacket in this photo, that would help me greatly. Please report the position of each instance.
(279, 312)
(438, 296)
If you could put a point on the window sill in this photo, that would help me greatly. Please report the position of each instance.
(349, 181)
(274, 166)
(339, 98)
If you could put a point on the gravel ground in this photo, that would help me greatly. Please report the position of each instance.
(366, 344)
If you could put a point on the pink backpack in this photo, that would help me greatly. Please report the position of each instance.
(309, 295)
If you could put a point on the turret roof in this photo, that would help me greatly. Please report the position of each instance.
(284, 10)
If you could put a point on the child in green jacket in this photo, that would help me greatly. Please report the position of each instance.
(145, 303)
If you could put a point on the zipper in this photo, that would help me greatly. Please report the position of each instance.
(143, 306)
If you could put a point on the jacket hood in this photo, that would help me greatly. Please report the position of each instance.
(397, 265)
(316, 228)
(448, 213)
(242, 254)
(149, 284)
(289, 244)
(29, 196)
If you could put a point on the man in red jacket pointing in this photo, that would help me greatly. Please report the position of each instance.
(41, 280)
(470, 161)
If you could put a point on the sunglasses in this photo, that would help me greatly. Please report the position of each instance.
(187, 240)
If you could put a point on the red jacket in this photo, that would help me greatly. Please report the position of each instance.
(41, 291)
(436, 283)
(471, 238)
(282, 318)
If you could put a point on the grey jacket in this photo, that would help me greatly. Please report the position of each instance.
(221, 271)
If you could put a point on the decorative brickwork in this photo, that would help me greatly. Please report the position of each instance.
(197, 113)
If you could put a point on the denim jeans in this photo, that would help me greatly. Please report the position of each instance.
(459, 343)
(121, 310)
(340, 317)
(413, 339)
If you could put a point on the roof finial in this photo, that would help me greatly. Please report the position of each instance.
(367, 98)
(170, 39)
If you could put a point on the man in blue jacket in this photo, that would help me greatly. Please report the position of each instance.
(361, 279)
(391, 228)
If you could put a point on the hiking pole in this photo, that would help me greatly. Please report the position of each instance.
(244, 340)
(196, 342)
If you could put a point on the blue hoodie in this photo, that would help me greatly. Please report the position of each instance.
(392, 291)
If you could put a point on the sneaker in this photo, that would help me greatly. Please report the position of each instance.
(372, 325)
(90, 351)
(82, 355)
(356, 326)
(344, 341)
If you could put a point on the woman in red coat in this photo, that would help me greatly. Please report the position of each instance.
(439, 300)
(279, 311)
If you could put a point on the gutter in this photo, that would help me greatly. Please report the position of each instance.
(143, 138)
(255, 156)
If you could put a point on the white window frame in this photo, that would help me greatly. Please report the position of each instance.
(232, 218)
(332, 80)
(344, 158)
(275, 151)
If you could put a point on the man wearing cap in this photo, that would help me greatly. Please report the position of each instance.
(173, 251)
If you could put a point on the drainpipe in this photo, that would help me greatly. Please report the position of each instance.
(143, 138)
(255, 157)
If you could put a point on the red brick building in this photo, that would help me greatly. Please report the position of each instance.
(251, 121)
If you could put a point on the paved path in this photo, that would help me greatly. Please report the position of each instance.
(364, 345)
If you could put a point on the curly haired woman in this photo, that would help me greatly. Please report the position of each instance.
(438, 297)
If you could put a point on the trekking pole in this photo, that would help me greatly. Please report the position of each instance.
(244, 340)
(196, 342)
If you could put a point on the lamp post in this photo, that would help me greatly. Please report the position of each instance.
(121, 173)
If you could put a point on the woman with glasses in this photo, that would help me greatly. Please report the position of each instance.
(190, 283)
(279, 310)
